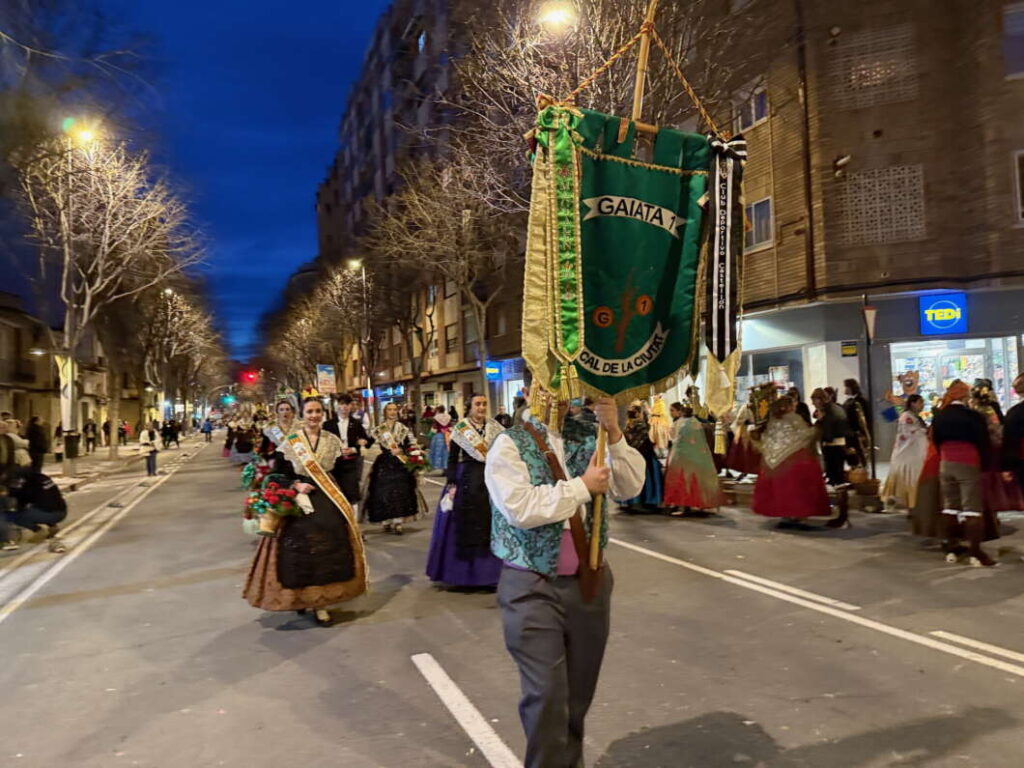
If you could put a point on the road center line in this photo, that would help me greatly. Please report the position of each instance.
(829, 610)
(993, 649)
(77, 551)
(494, 750)
(795, 591)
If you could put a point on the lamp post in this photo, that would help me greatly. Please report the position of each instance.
(357, 265)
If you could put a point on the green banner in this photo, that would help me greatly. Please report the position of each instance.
(613, 254)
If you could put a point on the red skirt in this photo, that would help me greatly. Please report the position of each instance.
(685, 489)
(743, 457)
(795, 488)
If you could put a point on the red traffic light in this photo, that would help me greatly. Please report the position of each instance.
(250, 377)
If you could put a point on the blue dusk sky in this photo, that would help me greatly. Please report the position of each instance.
(249, 97)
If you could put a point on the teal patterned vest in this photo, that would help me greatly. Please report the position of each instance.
(537, 549)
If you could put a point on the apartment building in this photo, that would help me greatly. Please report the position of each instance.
(391, 106)
(887, 162)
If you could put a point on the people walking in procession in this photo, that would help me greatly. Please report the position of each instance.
(790, 485)
(440, 436)
(691, 478)
(835, 434)
(1013, 438)
(314, 560)
(1001, 494)
(638, 435)
(961, 437)
(354, 439)
(392, 494)
(460, 546)
(858, 416)
(542, 484)
(908, 455)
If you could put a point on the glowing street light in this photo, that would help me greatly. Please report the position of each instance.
(354, 264)
(558, 16)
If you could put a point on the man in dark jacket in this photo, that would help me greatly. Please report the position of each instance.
(353, 439)
(39, 502)
(961, 437)
(858, 416)
(835, 435)
(1013, 436)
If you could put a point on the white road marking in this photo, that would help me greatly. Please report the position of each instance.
(829, 610)
(494, 750)
(7, 609)
(993, 649)
(795, 591)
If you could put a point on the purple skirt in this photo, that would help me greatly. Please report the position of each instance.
(445, 566)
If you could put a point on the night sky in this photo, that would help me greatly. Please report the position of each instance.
(251, 93)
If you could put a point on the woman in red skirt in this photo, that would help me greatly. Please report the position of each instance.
(790, 485)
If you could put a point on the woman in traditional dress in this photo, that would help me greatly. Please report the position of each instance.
(460, 546)
(789, 485)
(908, 455)
(1000, 494)
(743, 456)
(691, 479)
(392, 496)
(316, 559)
(638, 435)
(284, 413)
(440, 437)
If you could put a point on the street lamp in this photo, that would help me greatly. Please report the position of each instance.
(558, 16)
(37, 351)
(354, 265)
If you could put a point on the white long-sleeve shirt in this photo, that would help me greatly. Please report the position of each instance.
(528, 506)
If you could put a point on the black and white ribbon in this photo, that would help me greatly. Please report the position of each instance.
(725, 216)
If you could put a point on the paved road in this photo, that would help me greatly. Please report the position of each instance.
(140, 652)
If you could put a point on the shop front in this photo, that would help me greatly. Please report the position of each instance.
(942, 335)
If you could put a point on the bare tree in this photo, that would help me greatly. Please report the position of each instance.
(104, 230)
(440, 223)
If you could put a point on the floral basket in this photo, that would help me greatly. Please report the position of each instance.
(269, 504)
(415, 460)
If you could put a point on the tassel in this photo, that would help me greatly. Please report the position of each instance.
(720, 437)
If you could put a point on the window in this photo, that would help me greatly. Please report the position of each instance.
(451, 337)
(469, 330)
(450, 288)
(759, 215)
(874, 66)
(431, 295)
(432, 349)
(753, 111)
(882, 205)
(1013, 39)
(1018, 176)
(500, 322)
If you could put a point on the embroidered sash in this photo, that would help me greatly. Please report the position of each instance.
(471, 441)
(326, 483)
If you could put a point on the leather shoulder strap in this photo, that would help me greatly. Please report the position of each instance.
(556, 466)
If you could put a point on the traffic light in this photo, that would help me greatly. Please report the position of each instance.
(228, 399)
(250, 377)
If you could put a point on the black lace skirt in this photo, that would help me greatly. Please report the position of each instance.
(314, 550)
(391, 492)
(471, 510)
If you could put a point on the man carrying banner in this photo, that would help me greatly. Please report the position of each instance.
(540, 517)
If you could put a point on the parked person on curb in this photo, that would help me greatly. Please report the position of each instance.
(38, 442)
(961, 437)
(39, 503)
(835, 435)
(147, 445)
(1013, 437)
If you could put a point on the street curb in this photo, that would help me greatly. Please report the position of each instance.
(78, 483)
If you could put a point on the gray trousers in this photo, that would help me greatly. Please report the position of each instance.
(558, 643)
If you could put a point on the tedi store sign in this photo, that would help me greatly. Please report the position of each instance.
(943, 313)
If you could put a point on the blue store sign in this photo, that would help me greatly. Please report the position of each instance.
(495, 370)
(943, 314)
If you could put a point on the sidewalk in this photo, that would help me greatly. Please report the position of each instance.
(91, 467)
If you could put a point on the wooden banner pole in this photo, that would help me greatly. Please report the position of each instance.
(602, 435)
